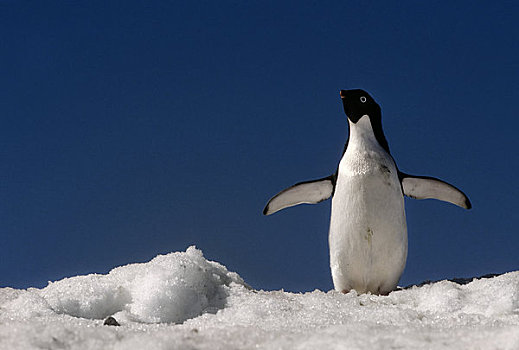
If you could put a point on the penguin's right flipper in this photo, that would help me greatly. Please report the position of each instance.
(309, 192)
(422, 187)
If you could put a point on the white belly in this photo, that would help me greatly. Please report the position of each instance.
(368, 233)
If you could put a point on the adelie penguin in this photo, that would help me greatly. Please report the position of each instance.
(368, 232)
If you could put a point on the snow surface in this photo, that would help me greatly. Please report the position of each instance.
(183, 301)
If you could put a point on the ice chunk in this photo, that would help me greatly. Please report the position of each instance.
(169, 288)
(91, 296)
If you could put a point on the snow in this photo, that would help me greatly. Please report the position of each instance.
(183, 301)
(169, 288)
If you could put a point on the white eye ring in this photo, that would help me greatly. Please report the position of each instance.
(363, 99)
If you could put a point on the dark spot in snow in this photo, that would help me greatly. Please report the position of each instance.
(110, 321)
(369, 235)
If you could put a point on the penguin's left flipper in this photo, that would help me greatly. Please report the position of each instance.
(309, 192)
(422, 187)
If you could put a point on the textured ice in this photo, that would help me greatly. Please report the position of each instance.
(169, 288)
(183, 301)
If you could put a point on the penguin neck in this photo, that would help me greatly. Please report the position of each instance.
(367, 133)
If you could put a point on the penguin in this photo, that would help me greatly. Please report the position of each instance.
(368, 230)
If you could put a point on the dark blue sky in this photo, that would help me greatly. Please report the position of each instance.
(130, 129)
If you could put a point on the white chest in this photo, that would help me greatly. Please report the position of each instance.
(368, 235)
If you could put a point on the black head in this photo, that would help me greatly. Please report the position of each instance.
(357, 103)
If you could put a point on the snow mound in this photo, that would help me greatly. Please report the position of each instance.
(183, 301)
(169, 288)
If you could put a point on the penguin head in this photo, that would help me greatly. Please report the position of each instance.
(358, 103)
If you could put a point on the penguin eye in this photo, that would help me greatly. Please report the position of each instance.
(363, 99)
